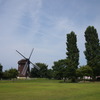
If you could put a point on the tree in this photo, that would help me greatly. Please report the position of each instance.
(49, 73)
(59, 69)
(6, 75)
(72, 55)
(34, 73)
(13, 73)
(1, 67)
(92, 52)
(10, 74)
(42, 73)
(84, 71)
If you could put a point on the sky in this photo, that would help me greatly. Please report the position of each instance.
(43, 25)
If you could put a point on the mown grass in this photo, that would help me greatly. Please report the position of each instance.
(44, 89)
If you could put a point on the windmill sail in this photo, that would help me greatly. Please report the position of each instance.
(21, 54)
(24, 71)
(34, 65)
(31, 53)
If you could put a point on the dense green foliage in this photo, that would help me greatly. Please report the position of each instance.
(1, 67)
(10, 74)
(49, 74)
(72, 50)
(92, 52)
(44, 89)
(59, 68)
(72, 55)
(84, 71)
(42, 73)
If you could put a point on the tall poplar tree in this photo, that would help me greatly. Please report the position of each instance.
(72, 55)
(92, 52)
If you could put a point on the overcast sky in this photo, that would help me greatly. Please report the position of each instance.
(43, 25)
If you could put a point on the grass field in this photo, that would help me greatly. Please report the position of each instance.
(44, 89)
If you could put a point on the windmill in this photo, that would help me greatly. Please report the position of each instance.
(24, 65)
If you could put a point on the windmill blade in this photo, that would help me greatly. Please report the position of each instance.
(31, 53)
(25, 69)
(34, 65)
(21, 54)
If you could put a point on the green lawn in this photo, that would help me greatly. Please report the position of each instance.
(44, 89)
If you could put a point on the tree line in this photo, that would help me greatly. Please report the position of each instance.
(68, 68)
(8, 74)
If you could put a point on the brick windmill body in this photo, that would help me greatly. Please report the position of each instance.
(24, 66)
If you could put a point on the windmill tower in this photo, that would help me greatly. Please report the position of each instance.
(24, 65)
(21, 65)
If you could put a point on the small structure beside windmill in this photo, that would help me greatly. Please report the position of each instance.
(24, 66)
